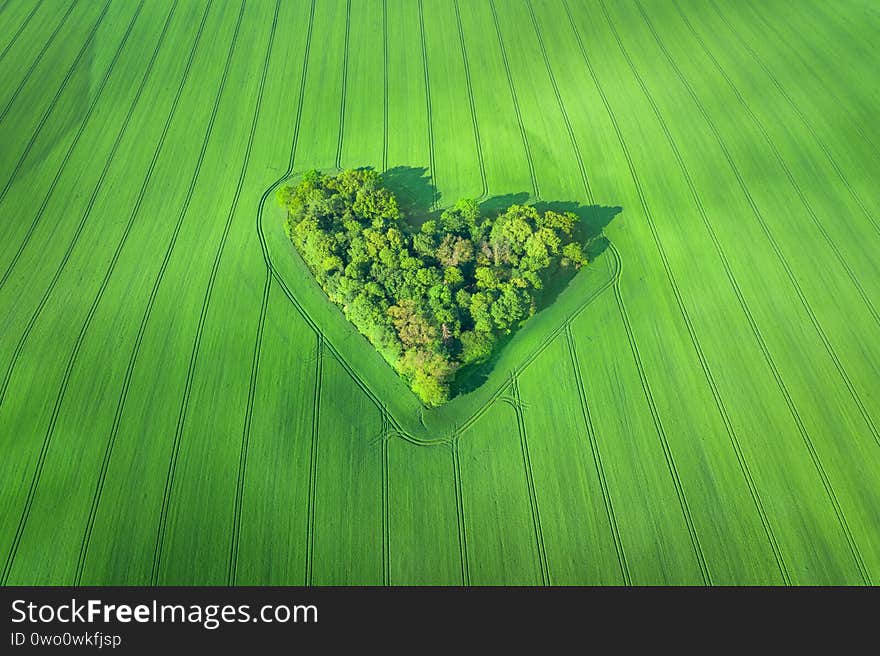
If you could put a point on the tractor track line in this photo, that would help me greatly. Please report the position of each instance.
(74, 240)
(293, 147)
(597, 457)
(609, 508)
(313, 460)
(571, 136)
(354, 376)
(368, 392)
(345, 65)
(459, 511)
(386, 529)
(679, 301)
(398, 432)
(64, 82)
(428, 105)
(245, 441)
(384, 85)
(467, 74)
(270, 269)
(516, 108)
(270, 275)
(36, 61)
(356, 379)
(20, 29)
(658, 424)
(197, 342)
(707, 371)
(545, 343)
(336, 355)
(252, 390)
(35, 481)
(206, 304)
(344, 85)
(530, 482)
(166, 259)
(804, 433)
(335, 352)
(540, 348)
(549, 339)
(313, 325)
(432, 167)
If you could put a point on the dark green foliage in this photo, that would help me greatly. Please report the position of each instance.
(436, 299)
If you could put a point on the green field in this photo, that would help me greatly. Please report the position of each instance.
(181, 404)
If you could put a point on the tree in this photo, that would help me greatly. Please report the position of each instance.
(476, 347)
(454, 250)
(413, 329)
(429, 300)
(573, 254)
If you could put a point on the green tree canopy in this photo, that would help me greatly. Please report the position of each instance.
(434, 300)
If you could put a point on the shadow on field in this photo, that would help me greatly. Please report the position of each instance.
(498, 204)
(417, 196)
(415, 192)
(65, 112)
(589, 233)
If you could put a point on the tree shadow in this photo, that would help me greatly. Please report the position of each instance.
(415, 192)
(589, 233)
(592, 218)
(418, 199)
(498, 204)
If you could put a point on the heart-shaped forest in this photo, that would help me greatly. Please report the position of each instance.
(437, 293)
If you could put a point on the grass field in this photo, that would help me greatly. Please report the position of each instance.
(180, 404)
